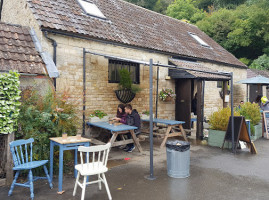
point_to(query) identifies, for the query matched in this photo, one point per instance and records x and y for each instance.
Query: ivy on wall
(9, 102)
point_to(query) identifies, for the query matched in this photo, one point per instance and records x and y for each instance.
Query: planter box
(216, 137)
(257, 133)
(143, 116)
(97, 119)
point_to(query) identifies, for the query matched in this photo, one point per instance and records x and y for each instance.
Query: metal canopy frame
(151, 64)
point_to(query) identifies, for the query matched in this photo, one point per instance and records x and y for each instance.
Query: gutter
(54, 44)
(74, 35)
(1, 7)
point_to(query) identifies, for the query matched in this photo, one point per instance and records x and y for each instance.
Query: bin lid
(178, 145)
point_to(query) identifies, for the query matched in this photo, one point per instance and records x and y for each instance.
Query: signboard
(266, 122)
(240, 133)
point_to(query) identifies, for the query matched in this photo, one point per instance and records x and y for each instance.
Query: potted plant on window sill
(98, 116)
(126, 92)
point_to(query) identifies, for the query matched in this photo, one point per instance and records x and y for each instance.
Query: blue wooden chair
(20, 150)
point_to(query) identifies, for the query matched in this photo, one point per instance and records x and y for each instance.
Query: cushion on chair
(30, 165)
(91, 168)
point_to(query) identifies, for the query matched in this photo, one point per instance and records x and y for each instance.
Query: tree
(243, 31)
(161, 6)
(148, 4)
(261, 63)
(185, 9)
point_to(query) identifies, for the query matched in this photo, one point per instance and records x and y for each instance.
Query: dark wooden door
(183, 101)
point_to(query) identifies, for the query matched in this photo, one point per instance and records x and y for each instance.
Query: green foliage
(145, 112)
(251, 111)
(161, 6)
(125, 79)
(219, 120)
(44, 117)
(243, 31)
(98, 113)
(126, 82)
(245, 61)
(261, 63)
(9, 102)
(185, 9)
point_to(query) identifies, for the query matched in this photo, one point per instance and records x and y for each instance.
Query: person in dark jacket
(132, 119)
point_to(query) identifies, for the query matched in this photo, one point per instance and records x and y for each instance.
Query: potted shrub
(218, 122)
(98, 116)
(126, 92)
(251, 111)
(167, 94)
(145, 115)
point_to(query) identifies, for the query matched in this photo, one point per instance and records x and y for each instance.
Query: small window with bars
(113, 71)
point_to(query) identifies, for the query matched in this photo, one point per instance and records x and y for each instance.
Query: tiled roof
(132, 25)
(196, 66)
(255, 72)
(17, 50)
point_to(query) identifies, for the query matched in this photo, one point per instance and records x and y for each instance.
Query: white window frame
(199, 40)
(91, 9)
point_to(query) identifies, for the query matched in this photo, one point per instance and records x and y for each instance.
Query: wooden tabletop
(69, 140)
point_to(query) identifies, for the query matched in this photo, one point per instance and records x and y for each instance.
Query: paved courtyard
(215, 174)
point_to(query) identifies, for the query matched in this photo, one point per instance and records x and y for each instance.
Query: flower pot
(125, 96)
(97, 119)
(144, 116)
(216, 137)
(257, 132)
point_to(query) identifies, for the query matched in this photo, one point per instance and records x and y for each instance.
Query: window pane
(114, 67)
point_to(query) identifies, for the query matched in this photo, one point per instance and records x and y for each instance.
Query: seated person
(121, 115)
(132, 119)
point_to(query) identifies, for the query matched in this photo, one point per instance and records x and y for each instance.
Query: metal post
(247, 94)
(232, 112)
(156, 112)
(84, 90)
(151, 176)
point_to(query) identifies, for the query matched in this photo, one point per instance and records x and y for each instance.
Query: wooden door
(183, 101)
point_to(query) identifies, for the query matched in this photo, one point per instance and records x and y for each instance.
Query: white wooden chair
(95, 164)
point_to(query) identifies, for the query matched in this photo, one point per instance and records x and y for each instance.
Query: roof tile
(132, 25)
(17, 50)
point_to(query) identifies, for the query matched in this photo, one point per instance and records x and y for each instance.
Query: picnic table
(70, 143)
(119, 130)
(174, 128)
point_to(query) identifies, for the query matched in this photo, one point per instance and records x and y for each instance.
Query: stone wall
(213, 101)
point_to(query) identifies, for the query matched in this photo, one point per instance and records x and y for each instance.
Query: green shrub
(219, 120)
(126, 82)
(44, 117)
(9, 102)
(251, 111)
(98, 113)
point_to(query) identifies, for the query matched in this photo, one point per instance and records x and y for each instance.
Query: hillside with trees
(240, 26)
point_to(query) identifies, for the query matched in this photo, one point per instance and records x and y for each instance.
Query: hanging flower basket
(167, 95)
(125, 96)
(168, 99)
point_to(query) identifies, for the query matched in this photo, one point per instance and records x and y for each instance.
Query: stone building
(118, 28)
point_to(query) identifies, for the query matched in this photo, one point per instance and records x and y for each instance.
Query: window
(91, 9)
(219, 84)
(198, 39)
(113, 70)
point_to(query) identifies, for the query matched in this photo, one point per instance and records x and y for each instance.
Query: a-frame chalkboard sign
(240, 133)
